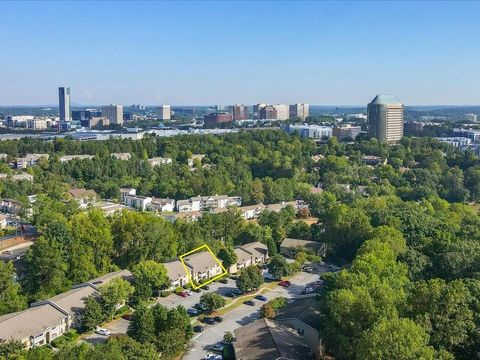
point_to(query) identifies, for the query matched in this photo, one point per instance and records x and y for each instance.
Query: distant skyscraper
(299, 111)
(385, 118)
(268, 112)
(163, 112)
(239, 112)
(114, 113)
(256, 110)
(282, 111)
(64, 104)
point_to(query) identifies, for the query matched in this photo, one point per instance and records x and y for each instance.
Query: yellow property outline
(188, 272)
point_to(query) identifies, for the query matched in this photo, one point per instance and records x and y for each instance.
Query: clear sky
(194, 53)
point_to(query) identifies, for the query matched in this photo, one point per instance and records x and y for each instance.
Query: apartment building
(68, 158)
(29, 160)
(203, 203)
(157, 161)
(249, 254)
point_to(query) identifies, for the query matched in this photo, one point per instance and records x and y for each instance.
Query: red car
(285, 283)
(183, 294)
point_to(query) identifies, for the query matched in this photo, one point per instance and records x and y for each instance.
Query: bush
(122, 310)
(67, 338)
(165, 293)
(178, 290)
(278, 303)
(187, 286)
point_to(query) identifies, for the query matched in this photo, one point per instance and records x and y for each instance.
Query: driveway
(119, 326)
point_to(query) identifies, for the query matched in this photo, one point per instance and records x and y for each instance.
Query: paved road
(240, 316)
(188, 302)
(245, 314)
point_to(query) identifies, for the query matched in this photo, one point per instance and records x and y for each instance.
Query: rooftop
(72, 301)
(201, 261)
(268, 340)
(382, 99)
(30, 322)
(175, 270)
(257, 248)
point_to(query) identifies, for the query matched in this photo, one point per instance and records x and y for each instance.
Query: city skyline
(327, 53)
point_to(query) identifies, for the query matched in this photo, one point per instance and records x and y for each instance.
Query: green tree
(149, 276)
(395, 339)
(278, 267)
(142, 326)
(11, 299)
(113, 293)
(250, 278)
(45, 270)
(212, 301)
(93, 314)
(228, 256)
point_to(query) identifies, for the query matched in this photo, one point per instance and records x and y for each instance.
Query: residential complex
(385, 118)
(310, 131)
(202, 203)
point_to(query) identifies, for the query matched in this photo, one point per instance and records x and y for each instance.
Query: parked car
(224, 280)
(308, 269)
(102, 331)
(7, 252)
(213, 357)
(285, 283)
(237, 291)
(307, 290)
(208, 320)
(322, 263)
(249, 302)
(261, 298)
(231, 294)
(198, 328)
(189, 292)
(218, 319)
(183, 294)
(200, 307)
(205, 287)
(216, 347)
(192, 312)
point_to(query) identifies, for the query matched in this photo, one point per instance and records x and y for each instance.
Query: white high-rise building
(114, 113)
(64, 104)
(299, 111)
(164, 112)
(385, 118)
(283, 111)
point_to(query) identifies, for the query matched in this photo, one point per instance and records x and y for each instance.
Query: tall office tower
(282, 111)
(385, 118)
(268, 113)
(64, 104)
(256, 110)
(114, 113)
(239, 112)
(299, 111)
(163, 112)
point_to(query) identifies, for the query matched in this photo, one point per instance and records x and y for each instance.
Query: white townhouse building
(157, 161)
(202, 203)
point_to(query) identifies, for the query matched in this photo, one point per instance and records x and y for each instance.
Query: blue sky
(187, 53)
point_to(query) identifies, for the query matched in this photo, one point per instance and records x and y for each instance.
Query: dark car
(261, 298)
(206, 287)
(237, 291)
(218, 318)
(200, 307)
(198, 328)
(208, 320)
(249, 302)
(223, 281)
(231, 294)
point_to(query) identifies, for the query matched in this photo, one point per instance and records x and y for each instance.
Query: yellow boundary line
(188, 272)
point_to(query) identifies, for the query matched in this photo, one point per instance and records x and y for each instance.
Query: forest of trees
(408, 231)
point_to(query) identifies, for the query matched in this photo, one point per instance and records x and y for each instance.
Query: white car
(213, 357)
(102, 331)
